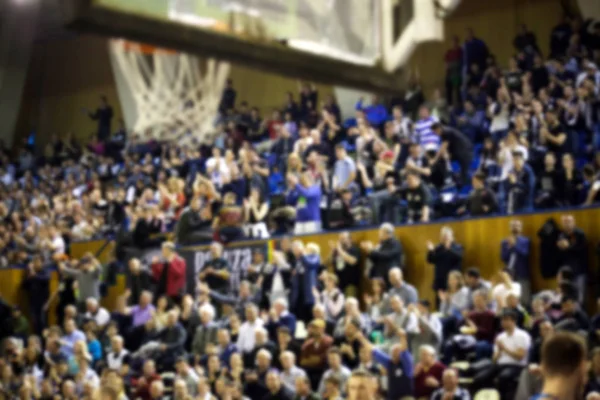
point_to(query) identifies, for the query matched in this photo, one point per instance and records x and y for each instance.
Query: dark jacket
(137, 284)
(459, 145)
(173, 338)
(575, 256)
(516, 258)
(549, 257)
(189, 221)
(283, 394)
(445, 260)
(388, 255)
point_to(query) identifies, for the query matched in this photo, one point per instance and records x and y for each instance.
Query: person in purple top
(308, 214)
(142, 312)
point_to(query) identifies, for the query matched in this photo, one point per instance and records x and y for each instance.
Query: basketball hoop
(175, 95)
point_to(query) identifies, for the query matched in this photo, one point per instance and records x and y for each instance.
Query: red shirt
(486, 324)
(436, 371)
(176, 275)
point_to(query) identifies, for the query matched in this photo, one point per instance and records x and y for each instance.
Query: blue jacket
(311, 264)
(400, 376)
(519, 254)
(312, 209)
(376, 114)
(288, 320)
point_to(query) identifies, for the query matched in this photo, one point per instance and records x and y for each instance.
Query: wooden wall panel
(496, 22)
(480, 237)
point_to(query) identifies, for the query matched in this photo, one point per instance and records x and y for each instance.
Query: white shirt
(518, 340)
(101, 317)
(114, 360)
(58, 245)
(247, 335)
(219, 171)
(501, 291)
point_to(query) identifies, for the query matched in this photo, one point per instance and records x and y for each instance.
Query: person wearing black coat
(458, 146)
(189, 228)
(386, 255)
(277, 391)
(549, 260)
(138, 280)
(446, 257)
(572, 251)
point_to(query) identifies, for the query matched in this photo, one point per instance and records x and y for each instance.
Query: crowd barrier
(481, 239)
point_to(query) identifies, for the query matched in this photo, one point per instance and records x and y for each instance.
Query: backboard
(342, 42)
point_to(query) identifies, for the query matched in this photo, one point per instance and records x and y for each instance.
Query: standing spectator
(169, 273)
(103, 115)
(138, 281)
(459, 147)
(386, 255)
(375, 113)
(87, 276)
(572, 251)
(227, 98)
(520, 185)
(514, 252)
(37, 285)
(344, 170)
(216, 272)
(336, 369)
(475, 50)
(446, 257)
(345, 257)
(454, 60)
(308, 215)
(304, 279)
(424, 134)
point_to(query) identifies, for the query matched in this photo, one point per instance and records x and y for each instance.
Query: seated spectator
(475, 282)
(256, 385)
(351, 311)
(398, 318)
(206, 331)
(96, 313)
(349, 345)
(336, 369)
(450, 387)
(429, 328)
(510, 356)
(314, 351)
(303, 389)
(504, 286)
(118, 356)
(399, 287)
(227, 226)
(255, 213)
(261, 341)
(572, 317)
(428, 372)
(455, 299)
(398, 366)
(277, 390)
(289, 371)
(247, 335)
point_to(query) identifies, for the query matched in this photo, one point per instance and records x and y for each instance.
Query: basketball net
(176, 95)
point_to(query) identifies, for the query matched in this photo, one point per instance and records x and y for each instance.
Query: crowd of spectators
(299, 326)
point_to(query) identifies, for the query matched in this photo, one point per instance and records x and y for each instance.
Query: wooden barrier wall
(480, 237)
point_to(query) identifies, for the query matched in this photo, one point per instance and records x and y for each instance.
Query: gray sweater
(88, 282)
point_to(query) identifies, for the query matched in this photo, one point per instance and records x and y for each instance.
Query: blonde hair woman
(456, 299)
(331, 297)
